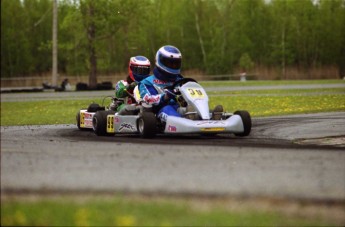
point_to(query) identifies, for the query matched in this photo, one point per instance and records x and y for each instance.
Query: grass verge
(223, 83)
(258, 104)
(133, 211)
(263, 105)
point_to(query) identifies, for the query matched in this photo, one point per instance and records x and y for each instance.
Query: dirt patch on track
(328, 141)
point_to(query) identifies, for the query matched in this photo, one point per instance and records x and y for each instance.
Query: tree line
(214, 36)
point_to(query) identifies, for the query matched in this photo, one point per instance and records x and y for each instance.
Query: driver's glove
(132, 85)
(169, 94)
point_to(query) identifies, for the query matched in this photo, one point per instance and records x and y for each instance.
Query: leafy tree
(98, 37)
(39, 33)
(246, 62)
(331, 32)
(15, 47)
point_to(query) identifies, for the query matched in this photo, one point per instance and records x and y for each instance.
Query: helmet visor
(172, 63)
(140, 70)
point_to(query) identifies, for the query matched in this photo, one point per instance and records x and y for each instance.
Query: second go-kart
(140, 118)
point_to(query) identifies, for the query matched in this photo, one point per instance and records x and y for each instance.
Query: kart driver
(138, 69)
(167, 71)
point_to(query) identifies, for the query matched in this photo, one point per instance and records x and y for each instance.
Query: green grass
(258, 103)
(281, 105)
(267, 82)
(279, 91)
(121, 211)
(41, 112)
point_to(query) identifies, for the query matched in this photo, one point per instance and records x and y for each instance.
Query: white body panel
(196, 96)
(125, 123)
(176, 125)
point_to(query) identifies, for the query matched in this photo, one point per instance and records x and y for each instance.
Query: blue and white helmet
(169, 59)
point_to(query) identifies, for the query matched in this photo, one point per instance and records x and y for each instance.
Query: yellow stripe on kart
(213, 129)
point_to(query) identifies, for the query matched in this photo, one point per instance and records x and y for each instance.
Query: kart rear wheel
(99, 122)
(247, 122)
(147, 125)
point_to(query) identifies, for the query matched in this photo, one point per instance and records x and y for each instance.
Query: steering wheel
(180, 82)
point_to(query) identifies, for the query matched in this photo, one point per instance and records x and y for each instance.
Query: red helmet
(139, 68)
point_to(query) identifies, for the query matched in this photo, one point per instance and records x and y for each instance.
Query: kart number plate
(110, 124)
(86, 120)
(82, 120)
(195, 93)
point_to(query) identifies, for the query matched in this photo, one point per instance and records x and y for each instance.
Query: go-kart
(141, 119)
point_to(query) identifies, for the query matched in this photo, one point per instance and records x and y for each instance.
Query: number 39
(195, 93)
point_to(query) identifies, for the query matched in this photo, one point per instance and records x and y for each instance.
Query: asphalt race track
(298, 156)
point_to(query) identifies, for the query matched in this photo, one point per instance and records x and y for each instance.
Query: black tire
(247, 122)
(147, 125)
(82, 87)
(99, 122)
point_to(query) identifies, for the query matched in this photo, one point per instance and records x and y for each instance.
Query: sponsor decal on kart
(126, 127)
(88, 115)
(117, 120)
(88, 124)
(171, 128)
(86, 119)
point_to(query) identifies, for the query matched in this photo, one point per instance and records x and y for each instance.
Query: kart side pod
(238, 124)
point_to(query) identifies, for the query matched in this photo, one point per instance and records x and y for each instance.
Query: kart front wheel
(247, 122)
(99, 122)
(147, 125)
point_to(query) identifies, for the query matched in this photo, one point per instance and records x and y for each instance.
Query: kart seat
(129, 110)
(94, 107)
